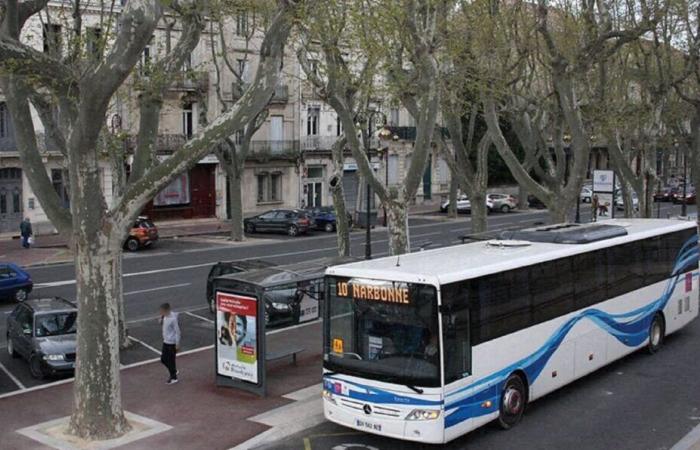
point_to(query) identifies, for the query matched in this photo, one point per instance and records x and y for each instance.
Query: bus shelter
(248, 303)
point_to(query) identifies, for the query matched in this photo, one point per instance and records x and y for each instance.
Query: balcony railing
(164, 142)
(190, 81)
(273, 147)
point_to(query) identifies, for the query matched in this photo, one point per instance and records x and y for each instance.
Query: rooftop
(449, 264)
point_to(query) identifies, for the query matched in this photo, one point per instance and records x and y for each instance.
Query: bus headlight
(329, 396)
(423, 414)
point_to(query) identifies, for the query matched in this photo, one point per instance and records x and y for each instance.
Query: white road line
(12, 377)
(301, 325)
(156, 289)
(197, 316)
(153, 349)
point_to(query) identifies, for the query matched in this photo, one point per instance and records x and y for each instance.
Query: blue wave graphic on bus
(630, 328)
(372, 394)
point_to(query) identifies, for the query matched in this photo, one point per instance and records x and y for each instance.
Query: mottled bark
(397, 226)
(335, 183)
(452, 207)
(479, 212)
(234, 171)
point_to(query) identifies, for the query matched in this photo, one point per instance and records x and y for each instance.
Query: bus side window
(455, 333)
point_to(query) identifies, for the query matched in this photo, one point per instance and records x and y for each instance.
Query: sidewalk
(53, 248)
(201, 415)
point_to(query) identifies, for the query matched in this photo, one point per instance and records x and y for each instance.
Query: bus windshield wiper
(414, 389)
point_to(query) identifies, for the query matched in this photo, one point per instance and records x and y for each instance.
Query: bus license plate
(368, 425)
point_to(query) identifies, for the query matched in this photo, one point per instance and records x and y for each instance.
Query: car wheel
(329, 227)
(132, 244)
(513, 400)
(656, 334)
(505, 209)
(249, 228)
(11, 348)
(35, 367)
(292, 230)
(21, 295)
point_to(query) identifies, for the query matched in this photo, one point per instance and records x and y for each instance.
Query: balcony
(318, 143)
(273, 148)
(281, 94)
(190, 82)
(164, 142)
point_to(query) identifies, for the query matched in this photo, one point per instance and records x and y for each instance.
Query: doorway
(10, 199)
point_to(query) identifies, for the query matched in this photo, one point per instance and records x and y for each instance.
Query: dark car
(325, 218)
(289, 221)
(534, 202)
(688, 199)
(665, 194)
(227, 267)
(144, 233)
(43, 332)
(15, 283)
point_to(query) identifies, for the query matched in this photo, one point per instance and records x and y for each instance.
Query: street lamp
(684, 204)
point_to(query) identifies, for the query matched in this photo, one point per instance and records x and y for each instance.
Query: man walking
(25, 230)
(171, 341)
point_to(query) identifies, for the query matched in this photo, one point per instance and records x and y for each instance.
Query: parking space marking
(12, 377)
(172, 286)
(153, 349)
(197, 316)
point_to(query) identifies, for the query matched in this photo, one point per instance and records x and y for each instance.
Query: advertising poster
(237, 349)
(603, 194)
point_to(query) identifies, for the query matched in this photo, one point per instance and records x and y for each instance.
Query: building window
(3, 120)
(312, 121)
(394, 117)
(242, 23)
(269, 187)
(338, 126)
(94, 43)
(187, 63)
(176, 193)
(187, 120)
(52, 39)
(146, 60)
(238, 137)
(59, 179)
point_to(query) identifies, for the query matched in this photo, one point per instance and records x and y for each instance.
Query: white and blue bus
(431, 345)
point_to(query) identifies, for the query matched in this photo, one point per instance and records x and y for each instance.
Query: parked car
(227, 267)
(463, 204)
(665, 194)
(689, 197)
(501, 202)
(144, 233)
(586, 195)
(325, 219)
(534, 202)
(43, 332)
(620, 201)
(15, 283)
(290, 221)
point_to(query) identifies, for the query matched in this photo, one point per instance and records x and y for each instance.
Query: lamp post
(684, 204)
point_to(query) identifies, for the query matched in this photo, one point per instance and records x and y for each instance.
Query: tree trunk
(522, 197)
(341, 223)
(559, 214)
(452, 207)
(479, 212)
(124, 341)
(235, 194)
(397, 227)
(97, 410)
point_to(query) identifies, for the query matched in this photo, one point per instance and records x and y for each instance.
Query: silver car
(43, 331)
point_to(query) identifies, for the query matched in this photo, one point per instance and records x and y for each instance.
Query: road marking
(153, 349)
(197, 316)
(690, 441)
(12, 377)
(156, 289)
(301, 325)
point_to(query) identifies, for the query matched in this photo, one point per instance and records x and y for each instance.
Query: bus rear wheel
(513, 400)
(656, 334)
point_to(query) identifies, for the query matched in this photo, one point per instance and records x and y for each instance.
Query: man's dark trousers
(167, 357)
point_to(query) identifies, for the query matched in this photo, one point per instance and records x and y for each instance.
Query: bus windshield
(387, 331)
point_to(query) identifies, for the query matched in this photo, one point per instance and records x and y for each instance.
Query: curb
(690, 441)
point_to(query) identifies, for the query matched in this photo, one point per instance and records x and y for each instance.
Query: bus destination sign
(385, 292)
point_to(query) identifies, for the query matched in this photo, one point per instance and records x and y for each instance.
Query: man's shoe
(171, 381)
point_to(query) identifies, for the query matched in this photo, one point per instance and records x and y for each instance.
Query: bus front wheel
(656, 334)
(513, 400)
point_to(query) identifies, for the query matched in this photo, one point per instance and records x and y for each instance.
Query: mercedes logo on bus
(367, 409)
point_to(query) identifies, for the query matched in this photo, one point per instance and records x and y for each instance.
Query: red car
(689, 197)
(144, 233)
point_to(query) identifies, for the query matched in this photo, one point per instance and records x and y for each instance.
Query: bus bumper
(427, 431)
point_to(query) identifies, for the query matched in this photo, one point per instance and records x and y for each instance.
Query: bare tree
(81, 90)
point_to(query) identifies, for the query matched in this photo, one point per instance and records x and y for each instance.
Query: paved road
(642, 402)
(175, 271)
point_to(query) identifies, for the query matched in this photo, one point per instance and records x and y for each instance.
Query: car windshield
(55, 324)
(383, 330)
